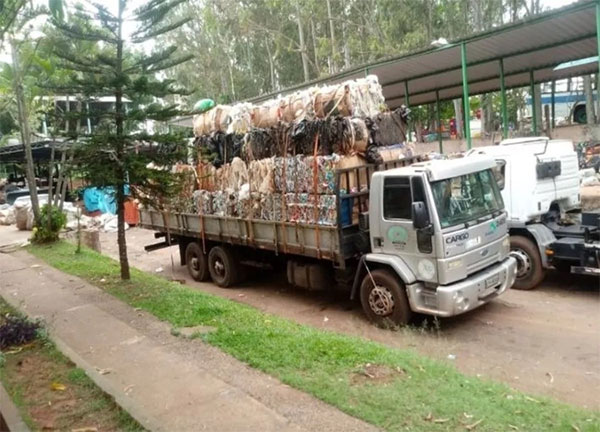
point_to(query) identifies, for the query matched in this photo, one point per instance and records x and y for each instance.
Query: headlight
(457, 263)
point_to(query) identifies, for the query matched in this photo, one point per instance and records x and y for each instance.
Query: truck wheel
(385, 303)
(197, 262)
(580, 115)
(223, 266)
(529, 263)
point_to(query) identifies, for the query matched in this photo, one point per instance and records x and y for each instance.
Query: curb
(120, 398)
(10, 418)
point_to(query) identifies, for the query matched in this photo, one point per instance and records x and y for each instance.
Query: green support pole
(598, 30)
(366, 72)
(503, 100)
(465, 83)
(407, 103)
(553, 101)
(533, 103)
(439, 120)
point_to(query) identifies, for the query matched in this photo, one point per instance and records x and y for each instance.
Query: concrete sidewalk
(165, 382)
(11, 238)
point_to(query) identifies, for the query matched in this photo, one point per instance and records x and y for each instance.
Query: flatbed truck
(425, 237)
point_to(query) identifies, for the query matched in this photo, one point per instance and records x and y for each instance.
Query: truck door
(399, 237)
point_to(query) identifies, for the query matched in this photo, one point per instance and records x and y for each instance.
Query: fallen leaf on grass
(56, 386)
(85, 429)
(575, 428)
(513, 427)
(468, 415)
(530, 399)
(474, 425)
(442, 420)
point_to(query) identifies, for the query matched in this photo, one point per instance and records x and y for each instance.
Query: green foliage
(121, 149)
(245, 48)
(329, 365)
(52, 220)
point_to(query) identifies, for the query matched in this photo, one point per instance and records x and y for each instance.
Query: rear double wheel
(383, 298)
(224, 266)
(197, 262)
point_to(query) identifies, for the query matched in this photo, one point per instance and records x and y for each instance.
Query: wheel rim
(219, 268)
(195, 263)
(523, 262)
(381, 301)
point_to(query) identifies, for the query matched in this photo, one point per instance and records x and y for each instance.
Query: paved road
(165, 382)
(545, 341)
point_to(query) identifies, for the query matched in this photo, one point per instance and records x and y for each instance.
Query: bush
(52, 220)
(17, 331)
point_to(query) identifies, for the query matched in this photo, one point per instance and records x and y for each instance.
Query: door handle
(377, 241)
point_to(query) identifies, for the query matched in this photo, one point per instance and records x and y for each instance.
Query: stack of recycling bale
(276, 161)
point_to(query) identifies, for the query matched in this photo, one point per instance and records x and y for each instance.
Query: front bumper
(463, 296)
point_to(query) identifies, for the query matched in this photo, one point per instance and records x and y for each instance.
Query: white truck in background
(539, 180)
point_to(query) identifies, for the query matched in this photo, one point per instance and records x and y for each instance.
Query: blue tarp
(101, 199)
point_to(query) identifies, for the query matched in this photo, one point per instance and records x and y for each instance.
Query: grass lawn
(393, 389)
(51, 393)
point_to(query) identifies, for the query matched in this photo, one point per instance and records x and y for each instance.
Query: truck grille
(478, 265)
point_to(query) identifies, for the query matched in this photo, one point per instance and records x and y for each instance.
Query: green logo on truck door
(397, 235)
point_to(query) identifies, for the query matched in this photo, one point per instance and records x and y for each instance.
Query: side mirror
(420, 217)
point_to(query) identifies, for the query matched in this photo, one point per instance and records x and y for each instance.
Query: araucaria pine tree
(122, 150)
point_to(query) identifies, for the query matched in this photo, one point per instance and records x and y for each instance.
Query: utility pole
(25, 132)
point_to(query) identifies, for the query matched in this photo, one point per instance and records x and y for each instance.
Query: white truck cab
(539, 181)
(441, 226)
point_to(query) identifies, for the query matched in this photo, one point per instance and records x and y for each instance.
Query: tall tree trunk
(332, 37)
(231, 80)
(274, 86)
(539, 113)
(589, 100)
(313, 34)
(25, 133)
(303, 51)
(347, 62)
(430, 20)
(123, 260)
(458, 117)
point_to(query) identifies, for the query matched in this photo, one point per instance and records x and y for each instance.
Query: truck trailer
(419, 237)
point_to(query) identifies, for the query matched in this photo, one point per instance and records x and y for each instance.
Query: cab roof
(441, 169)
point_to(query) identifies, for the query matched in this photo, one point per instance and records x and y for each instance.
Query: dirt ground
(545, 342)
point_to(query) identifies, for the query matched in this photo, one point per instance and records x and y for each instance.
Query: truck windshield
(466, 198)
